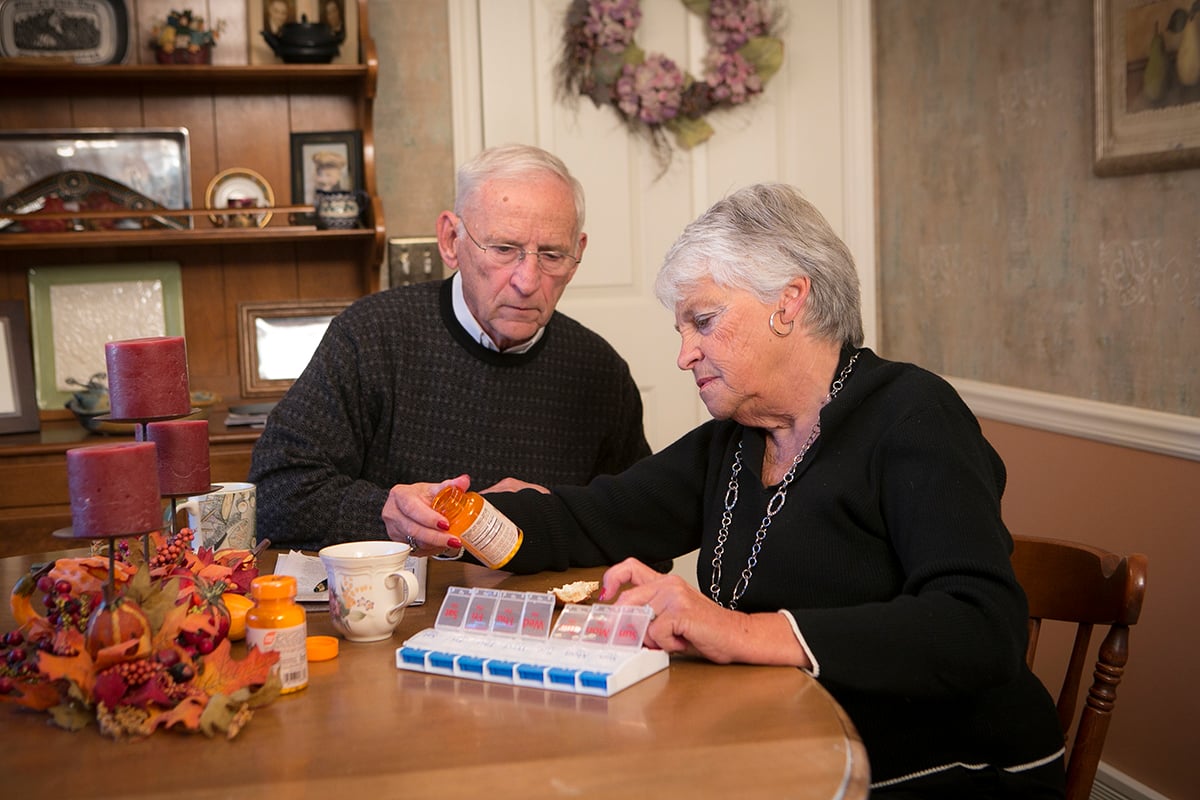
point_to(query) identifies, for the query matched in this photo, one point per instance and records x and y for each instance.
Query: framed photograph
(88, 32)
(329, 160)
(276, 341)
(267, 15)
(77, 309)
(154, 162)
(1147, 67)
(18, 399)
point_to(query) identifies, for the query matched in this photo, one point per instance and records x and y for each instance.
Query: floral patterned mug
(223, 518)
(369, 587)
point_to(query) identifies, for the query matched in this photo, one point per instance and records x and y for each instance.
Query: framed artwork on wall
(276, 341)
(18, 398)
(87, 32)
(154, 162)
(1147, 67)
(77, 309)
(330, 161)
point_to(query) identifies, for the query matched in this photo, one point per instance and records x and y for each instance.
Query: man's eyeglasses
(501, 256)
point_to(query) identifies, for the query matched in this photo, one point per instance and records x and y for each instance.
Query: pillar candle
(114, 489)
(148, 378)
(183, 466)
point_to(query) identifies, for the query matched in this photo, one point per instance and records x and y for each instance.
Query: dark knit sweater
(398, 392)
(889, 552)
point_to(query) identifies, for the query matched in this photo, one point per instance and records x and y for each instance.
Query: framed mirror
(277, 339)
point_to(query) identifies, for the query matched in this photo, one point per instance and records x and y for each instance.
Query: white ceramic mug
(368, 587)
(223, 518)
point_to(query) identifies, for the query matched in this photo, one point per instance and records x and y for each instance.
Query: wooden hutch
(236, 117)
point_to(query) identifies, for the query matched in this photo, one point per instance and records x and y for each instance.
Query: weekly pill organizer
(506, 637)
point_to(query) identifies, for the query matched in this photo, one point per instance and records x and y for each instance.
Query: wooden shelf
(186, 238)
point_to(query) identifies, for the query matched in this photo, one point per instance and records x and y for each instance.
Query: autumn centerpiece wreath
(650, 93)
(136, 645)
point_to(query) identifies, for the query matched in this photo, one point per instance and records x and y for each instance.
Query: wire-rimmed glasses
(502, 256)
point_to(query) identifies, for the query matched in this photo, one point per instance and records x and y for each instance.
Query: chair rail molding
(1141, 429)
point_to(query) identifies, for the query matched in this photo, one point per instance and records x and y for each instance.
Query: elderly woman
(846, 509)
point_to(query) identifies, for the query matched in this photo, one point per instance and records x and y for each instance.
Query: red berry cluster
(171, 552)
(64, 610)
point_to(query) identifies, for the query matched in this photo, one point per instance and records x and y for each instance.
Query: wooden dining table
(365, 729)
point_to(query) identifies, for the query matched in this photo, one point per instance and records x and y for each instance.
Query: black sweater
(889, 552)
(398, 392)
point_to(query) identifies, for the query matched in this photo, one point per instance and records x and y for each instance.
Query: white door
(811, 128)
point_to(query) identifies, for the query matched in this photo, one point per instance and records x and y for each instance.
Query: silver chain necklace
(773, 506)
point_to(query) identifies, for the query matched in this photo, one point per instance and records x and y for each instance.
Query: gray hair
(514, 161)
(759, 239)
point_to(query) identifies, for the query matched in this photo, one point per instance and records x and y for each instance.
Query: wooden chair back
(1088, 586)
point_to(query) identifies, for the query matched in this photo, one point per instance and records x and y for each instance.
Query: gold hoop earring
(776, 331)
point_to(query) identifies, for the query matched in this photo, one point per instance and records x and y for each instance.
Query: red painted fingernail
(603, 594)
(443, 525)
(453, 542)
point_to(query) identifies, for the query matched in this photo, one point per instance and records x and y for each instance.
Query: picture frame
(324, 159)
(1144, 124)
(18, 397)
(98, 32)
(276, 340)
(75, 310)
(155, 162)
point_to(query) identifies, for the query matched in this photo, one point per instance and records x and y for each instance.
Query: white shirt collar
(472, 326)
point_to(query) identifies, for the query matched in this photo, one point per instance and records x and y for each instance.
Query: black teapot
(305, 42)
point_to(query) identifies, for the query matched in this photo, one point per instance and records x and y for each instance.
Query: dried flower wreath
(652, 95)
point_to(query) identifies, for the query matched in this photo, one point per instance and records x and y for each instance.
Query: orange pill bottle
(486, 533)
(278, 623)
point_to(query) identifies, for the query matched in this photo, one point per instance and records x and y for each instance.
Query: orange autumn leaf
(39, 696)
(215, 573)
(186, 713)
(78, 669)
(222, 674)
(90, 575)
(172, 624)
(234, 558)
(128, 650)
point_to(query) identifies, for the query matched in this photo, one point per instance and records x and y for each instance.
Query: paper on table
(309, 573)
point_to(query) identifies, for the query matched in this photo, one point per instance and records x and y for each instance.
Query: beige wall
(414, 150)
(1003, 257)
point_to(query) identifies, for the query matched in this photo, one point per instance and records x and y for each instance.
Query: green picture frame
(76, 309)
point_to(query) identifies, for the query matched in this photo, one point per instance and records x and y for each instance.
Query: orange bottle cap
(321, 648)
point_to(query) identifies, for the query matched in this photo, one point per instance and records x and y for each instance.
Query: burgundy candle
(183, 466)
(148, 378)
(114, 489)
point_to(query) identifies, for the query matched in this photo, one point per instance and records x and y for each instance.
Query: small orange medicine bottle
(489, 535)
(277, 622)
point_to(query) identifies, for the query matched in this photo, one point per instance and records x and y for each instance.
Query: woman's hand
(514, 485)
(409, 517)
(685, 621)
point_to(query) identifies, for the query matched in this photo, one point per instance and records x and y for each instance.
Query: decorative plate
(88, 32)
(77, 190)
(234, 186)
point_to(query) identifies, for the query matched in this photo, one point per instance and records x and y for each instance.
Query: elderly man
(477, 374)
